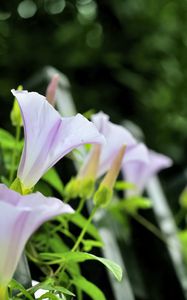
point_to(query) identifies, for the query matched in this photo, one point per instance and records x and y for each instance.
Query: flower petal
(48, 136)
(20, 216)
(116, 136)
(139, 172)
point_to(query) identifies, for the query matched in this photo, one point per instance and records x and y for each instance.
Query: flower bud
(15, 114)
(90, 169)
(72, 188)
(104, 194)
(51, 89)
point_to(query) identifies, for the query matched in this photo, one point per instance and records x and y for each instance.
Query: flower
(116, 137)
(139, 172)
(20, 216)
(48, 136)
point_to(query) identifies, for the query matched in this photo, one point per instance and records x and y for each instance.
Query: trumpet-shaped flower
(48, 136)
(116, 136)
(139, 172)
(20, 216)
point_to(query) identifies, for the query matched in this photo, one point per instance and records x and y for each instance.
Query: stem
(14, 155)
(149, 226)
(81, 205)
(84, 229)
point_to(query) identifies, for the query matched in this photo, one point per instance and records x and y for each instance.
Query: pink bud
(51, 89)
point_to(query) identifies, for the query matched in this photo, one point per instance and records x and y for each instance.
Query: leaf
(43, 188)
(49, 295)
(81, 221)
(183, 198)
(124, 185)
(55, 258)
(17, 286)
(55, 289)
(56, 244)
(89, 288)
(183, 239)
(54, 180)
(131, 205)
(7, 141)
(89, 244)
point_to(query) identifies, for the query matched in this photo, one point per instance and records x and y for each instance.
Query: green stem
(79, 240)
(81, 205)
(149, 226)
(14, 155)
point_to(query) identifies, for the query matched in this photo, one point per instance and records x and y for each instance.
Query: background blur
(126, 57)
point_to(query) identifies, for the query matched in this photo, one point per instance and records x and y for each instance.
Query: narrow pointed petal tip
(48, 136)
(20, 216)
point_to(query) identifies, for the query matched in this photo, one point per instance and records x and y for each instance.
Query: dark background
(126, 57)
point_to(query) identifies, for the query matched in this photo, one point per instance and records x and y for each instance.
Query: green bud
(72, 188)
(102, 196)
(18, 187)
(15, 114)
(86, 188)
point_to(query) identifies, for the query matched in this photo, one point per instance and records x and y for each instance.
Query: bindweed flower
(20, 216)
(139, 172)
(116, 136)
(51, 89)
(48, 136)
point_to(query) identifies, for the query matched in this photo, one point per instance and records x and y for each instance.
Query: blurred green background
(126, 57)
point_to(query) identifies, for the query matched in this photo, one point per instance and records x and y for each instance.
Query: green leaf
(80, 221)
(183, 239)
(17, 286)
(89, 288)
(7, 141)
(50, 296)
(124, 185)
(89, 244)
(183, 198)
(54, 180)
(43, 188)
(56, 244)
(133, 204)
(55, 289)
(55, 258)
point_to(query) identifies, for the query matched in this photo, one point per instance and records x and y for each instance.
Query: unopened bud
(15, 114)
(86, 188)
(51, 89)
(90, 169)
(72, 188)
(104, 194)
